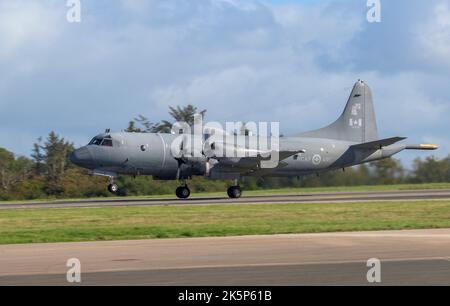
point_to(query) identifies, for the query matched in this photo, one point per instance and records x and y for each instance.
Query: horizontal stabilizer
(378, 144)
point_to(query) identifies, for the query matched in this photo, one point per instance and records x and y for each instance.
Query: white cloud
(242, 60)
(27, 29)
(323, 28)
(434, 35)
(25, 24)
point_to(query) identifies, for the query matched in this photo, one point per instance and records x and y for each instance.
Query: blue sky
(243, 60)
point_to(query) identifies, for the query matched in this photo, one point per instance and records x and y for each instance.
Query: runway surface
(340, 197)
(414, 257)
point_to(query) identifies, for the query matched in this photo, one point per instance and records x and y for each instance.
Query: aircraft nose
(82, 157)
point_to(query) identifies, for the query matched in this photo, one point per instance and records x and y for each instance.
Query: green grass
(115, 223)
(273, 191)
(352, 188)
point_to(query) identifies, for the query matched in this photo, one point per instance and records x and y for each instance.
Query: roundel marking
(317, 159)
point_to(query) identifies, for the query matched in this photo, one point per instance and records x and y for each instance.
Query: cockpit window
(96, 141)
(102, 141)
(107, 142)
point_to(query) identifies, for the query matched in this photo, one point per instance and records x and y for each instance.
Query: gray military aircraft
(351, 140)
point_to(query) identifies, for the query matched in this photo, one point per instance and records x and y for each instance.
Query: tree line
(48, 173)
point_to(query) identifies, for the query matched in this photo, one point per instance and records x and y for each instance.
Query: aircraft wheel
(113, 188)
(183, 192)
(234, 192)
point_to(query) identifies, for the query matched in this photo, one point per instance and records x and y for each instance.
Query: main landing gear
(234, 192)
(183, 192)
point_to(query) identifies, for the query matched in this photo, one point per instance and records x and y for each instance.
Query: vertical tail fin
(357, 123)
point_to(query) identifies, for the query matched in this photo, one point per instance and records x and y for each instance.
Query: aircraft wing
(378, 144)
(253, 159)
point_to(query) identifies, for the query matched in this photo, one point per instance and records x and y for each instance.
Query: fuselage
(150, 154)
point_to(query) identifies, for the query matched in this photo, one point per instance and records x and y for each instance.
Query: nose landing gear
(113, 187)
